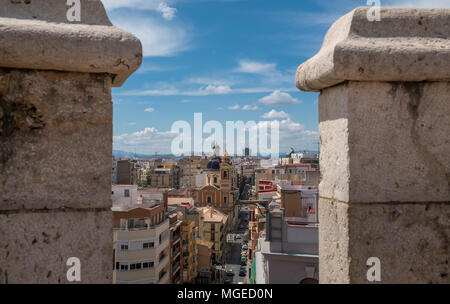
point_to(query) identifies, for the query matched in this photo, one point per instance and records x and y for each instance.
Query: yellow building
(189, 251)
(218, 190)
(215, 226)
(164, 176)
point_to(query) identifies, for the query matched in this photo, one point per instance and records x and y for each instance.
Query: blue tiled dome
(213, 164)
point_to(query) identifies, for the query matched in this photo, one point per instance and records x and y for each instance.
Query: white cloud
(149, 140)
(131, 123)
(244, 107)
(278, 98)
(150, 110)
(275, 114)
(162, 7)
(157, 37)
(203, 91)
(167, 12)
(293, 134)
(420, 3)
(235, 107)
(254, 67)
(250, 108)
(216, 90)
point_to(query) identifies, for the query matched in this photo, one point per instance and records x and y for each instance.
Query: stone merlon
(38, 35)
(406, 45)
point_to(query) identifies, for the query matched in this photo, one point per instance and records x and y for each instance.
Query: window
(215, 180)
(126, 192)
(147, 265)
(124, 247)
(209, 200)
(225, 174)
(147, 245)
(225, 199)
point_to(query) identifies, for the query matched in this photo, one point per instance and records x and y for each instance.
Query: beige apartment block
(141, 242)
(384, 116)
(189, 234)
(215, 227)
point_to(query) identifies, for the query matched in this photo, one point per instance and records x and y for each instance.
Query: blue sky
(228, 59)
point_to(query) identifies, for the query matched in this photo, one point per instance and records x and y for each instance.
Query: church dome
(213, 164)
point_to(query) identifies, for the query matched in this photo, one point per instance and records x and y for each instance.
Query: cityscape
(216, 219)
(224, 149)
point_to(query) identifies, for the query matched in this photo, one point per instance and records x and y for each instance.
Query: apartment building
(205, 267)
(190, 168)
(164, 176)
(215, 228)
(298, 174)
(141, 237)
(125, 174)
(288, 251)
(189, 236)
(114, 171)
(176, 257)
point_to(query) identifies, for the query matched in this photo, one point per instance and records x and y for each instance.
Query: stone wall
(56, 139)
(385, 135)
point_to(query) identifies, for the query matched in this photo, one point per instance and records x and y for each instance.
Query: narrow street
(234, 257)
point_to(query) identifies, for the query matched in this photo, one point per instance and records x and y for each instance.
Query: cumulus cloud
(293, 134)
(167, 12)
(275, 114)
(278, 98)
(149, 140)
(150, 110)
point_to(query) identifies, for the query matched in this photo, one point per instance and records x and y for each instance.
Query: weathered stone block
(38, 245)
(385, 142)
(410, 239)
(55, 140)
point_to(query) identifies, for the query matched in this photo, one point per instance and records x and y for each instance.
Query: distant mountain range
(124, 154)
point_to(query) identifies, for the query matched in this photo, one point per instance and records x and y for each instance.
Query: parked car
(242, 272)
(238, 236)
(230, 272)
(245, 247)
(243, 263)
(227, 282)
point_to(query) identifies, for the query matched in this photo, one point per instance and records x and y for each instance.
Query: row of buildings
(159, 239)
(172, 217)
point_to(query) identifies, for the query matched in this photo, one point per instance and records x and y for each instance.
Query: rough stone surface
(55, 140)
(410, 239)
(38, 35)
(34, 247)
(385, 142)
(406, 45)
